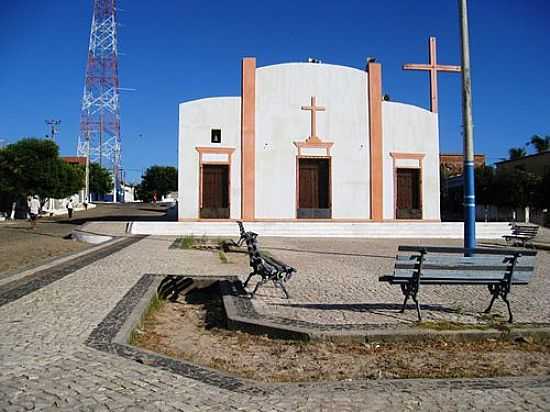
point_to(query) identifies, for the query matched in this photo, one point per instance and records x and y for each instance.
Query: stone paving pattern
(342, 286)
(46, 365)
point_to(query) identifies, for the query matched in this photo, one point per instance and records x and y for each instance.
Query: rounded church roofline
(205, 99)
(408, 105)
(324, 65)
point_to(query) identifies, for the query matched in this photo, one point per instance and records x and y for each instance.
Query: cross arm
(412, 66)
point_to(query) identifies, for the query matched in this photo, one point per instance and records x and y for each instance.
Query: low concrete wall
(447, 230)
(84, 234)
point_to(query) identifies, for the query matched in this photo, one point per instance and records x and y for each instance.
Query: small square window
(216, 136)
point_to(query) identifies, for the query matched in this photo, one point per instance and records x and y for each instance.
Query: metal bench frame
(497, 287)
(267, 267)
(521, 233)
(172, 285)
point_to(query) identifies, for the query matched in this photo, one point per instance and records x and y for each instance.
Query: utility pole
(469, 179)
(87, 190)
(54, 127)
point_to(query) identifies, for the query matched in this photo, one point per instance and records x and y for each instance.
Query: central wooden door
(215, 192)
(408, 202)
(314, 188)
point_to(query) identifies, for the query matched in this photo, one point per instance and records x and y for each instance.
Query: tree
(159, 179)
(33, 166)
(517, 153)
(542, 192)
(485, 177)
(542, 144)
(515, 188)
(101, 181)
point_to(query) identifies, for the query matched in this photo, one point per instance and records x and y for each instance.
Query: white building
(307, 140)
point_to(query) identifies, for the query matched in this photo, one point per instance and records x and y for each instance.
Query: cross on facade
(433, 68)
(314, 109)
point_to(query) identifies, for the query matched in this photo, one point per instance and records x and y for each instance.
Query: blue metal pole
(469, 184)
(469, 206)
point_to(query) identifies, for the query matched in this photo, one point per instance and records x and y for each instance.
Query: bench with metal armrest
(498, 269)
(521, 234)
(266, 267)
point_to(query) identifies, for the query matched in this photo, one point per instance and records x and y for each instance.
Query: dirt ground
(21, 247)
(192, 329)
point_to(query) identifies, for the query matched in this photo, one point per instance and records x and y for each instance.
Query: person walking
(34, 210)
(70, 207)
(29, 198)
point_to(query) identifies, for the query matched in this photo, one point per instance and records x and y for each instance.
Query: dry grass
(193, 329)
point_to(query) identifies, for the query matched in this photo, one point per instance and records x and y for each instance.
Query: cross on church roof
(314, 109)
(433, 67)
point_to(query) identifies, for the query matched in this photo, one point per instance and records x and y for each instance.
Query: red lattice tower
(99, 138)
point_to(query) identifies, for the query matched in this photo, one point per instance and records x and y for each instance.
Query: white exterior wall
(281, 91)
(196, 119)
(410, 129)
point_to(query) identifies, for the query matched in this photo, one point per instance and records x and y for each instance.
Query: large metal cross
(433, 68)
(314, 109)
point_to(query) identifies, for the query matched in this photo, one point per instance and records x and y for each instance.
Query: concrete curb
(116, 328)
(241, 315)
(88, 237)
(136, 316)
(541, 246)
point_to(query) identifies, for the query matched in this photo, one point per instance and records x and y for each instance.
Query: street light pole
(469, 180)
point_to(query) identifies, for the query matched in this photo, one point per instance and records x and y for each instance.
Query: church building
(308, 141)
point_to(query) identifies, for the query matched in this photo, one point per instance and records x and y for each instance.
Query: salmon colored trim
(375, 131)
(248, 138)
(314, 145)
(215, 150)
(401, 155)
(415, 156)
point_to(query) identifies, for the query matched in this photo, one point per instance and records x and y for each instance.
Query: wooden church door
(215, 191)
(309, 185)
(408, 203)
(314, 188)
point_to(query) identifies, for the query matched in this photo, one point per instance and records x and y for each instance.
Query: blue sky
(172, 51)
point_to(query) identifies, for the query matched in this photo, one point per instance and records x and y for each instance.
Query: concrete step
(447, 230)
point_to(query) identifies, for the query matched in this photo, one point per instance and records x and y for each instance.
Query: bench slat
(465, 268)
(458, 250)
(428, 281)
(460, 275)
(460, 261)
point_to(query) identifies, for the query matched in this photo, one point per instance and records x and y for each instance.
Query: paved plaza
(46, 316)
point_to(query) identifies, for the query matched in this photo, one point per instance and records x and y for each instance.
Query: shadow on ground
(364, 307)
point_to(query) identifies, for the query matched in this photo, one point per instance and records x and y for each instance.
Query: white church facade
(308, 141)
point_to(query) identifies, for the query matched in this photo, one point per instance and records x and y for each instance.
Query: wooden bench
(267, 267)
(498, 269)
(521, 234)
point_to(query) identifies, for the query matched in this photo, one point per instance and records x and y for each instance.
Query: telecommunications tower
(99, 139)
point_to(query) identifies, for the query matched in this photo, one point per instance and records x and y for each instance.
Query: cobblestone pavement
(337, 282)
(46, 366)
